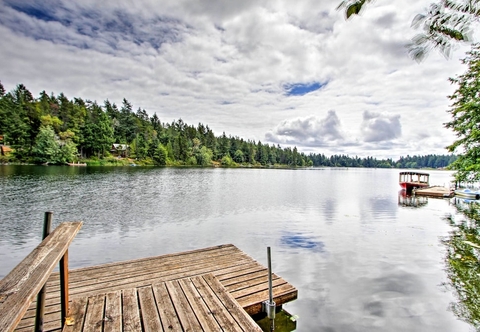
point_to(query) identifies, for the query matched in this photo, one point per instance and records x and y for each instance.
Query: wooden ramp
(243, 278)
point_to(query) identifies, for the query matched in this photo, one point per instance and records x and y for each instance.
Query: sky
(293, 73)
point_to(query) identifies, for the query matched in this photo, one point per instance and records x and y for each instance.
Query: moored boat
(468, 193)
(411, 180)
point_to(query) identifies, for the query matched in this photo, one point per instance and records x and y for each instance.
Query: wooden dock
(434, 191)
(215, 288)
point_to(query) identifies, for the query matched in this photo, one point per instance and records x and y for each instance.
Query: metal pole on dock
(269, 306)
(47, 222)
(270, 291)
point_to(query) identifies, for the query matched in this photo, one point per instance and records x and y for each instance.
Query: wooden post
(47, 222)
(64, 286)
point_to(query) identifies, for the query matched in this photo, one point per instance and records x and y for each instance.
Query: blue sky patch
(87, 28)
(301, 89)
(33, 10)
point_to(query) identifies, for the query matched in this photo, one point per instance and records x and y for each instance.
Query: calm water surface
(360, 258)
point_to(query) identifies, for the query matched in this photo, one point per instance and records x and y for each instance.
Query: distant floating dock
(211, 289)
(434, 191)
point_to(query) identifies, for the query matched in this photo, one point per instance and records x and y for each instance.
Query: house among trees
(4, 149)
(120, 150)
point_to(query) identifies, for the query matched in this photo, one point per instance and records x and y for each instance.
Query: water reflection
(302, 241)
(462, 261)
(411, 200)
(360, 260)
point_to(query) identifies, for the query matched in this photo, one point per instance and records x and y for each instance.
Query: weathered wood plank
(185, 314)
(242, 318)
(204, 315)
(146, 279)
(53, 298)
(119, 273)
(130, 266)
(131, 315)
(166, 309)
(243, 277)
(113, 312)
(77, 308)
(78, 277)
(94, 314)
(256, 288)
(252, 304)
(21, 285)
(231, 275)
(150, 319)
(226, 322)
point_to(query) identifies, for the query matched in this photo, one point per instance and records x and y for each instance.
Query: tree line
(56, 129)
(427, 161)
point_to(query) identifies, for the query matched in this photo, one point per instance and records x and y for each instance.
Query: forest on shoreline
(58, 130)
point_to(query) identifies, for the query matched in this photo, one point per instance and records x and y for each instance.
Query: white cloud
(379, 128)
(312, 132)
(225, 63)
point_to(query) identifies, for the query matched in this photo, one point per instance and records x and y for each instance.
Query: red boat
(411, 180)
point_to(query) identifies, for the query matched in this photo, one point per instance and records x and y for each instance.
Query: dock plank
(199, 303)
(166, 309)
(113, 312)
(203, 313)
(150, 318)
(233, 308)
(94, 315)
(77, 315)
(131, 314)
(226, 322)
(187, 318)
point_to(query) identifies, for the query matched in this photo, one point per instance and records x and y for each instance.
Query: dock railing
(27, 280)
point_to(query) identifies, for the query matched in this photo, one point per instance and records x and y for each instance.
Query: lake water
(361, 258)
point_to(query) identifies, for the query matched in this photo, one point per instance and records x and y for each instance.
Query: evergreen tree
(465, 112)
(160, 156)
(46, 148)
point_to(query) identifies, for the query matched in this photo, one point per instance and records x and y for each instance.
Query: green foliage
(427, 161)
(160, 156)
(50, 149)
(238, 156)
(46, 148)
(444, 23)
(82, 127)
(191, 161)
(352, 7)
(465, 121)
(228, 161)
(68, 152)
(203, 156)
(462, 266)
(97, 132)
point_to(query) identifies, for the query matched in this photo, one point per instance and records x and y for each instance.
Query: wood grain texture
(20, 287)
(194, 304)
(242, 277)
